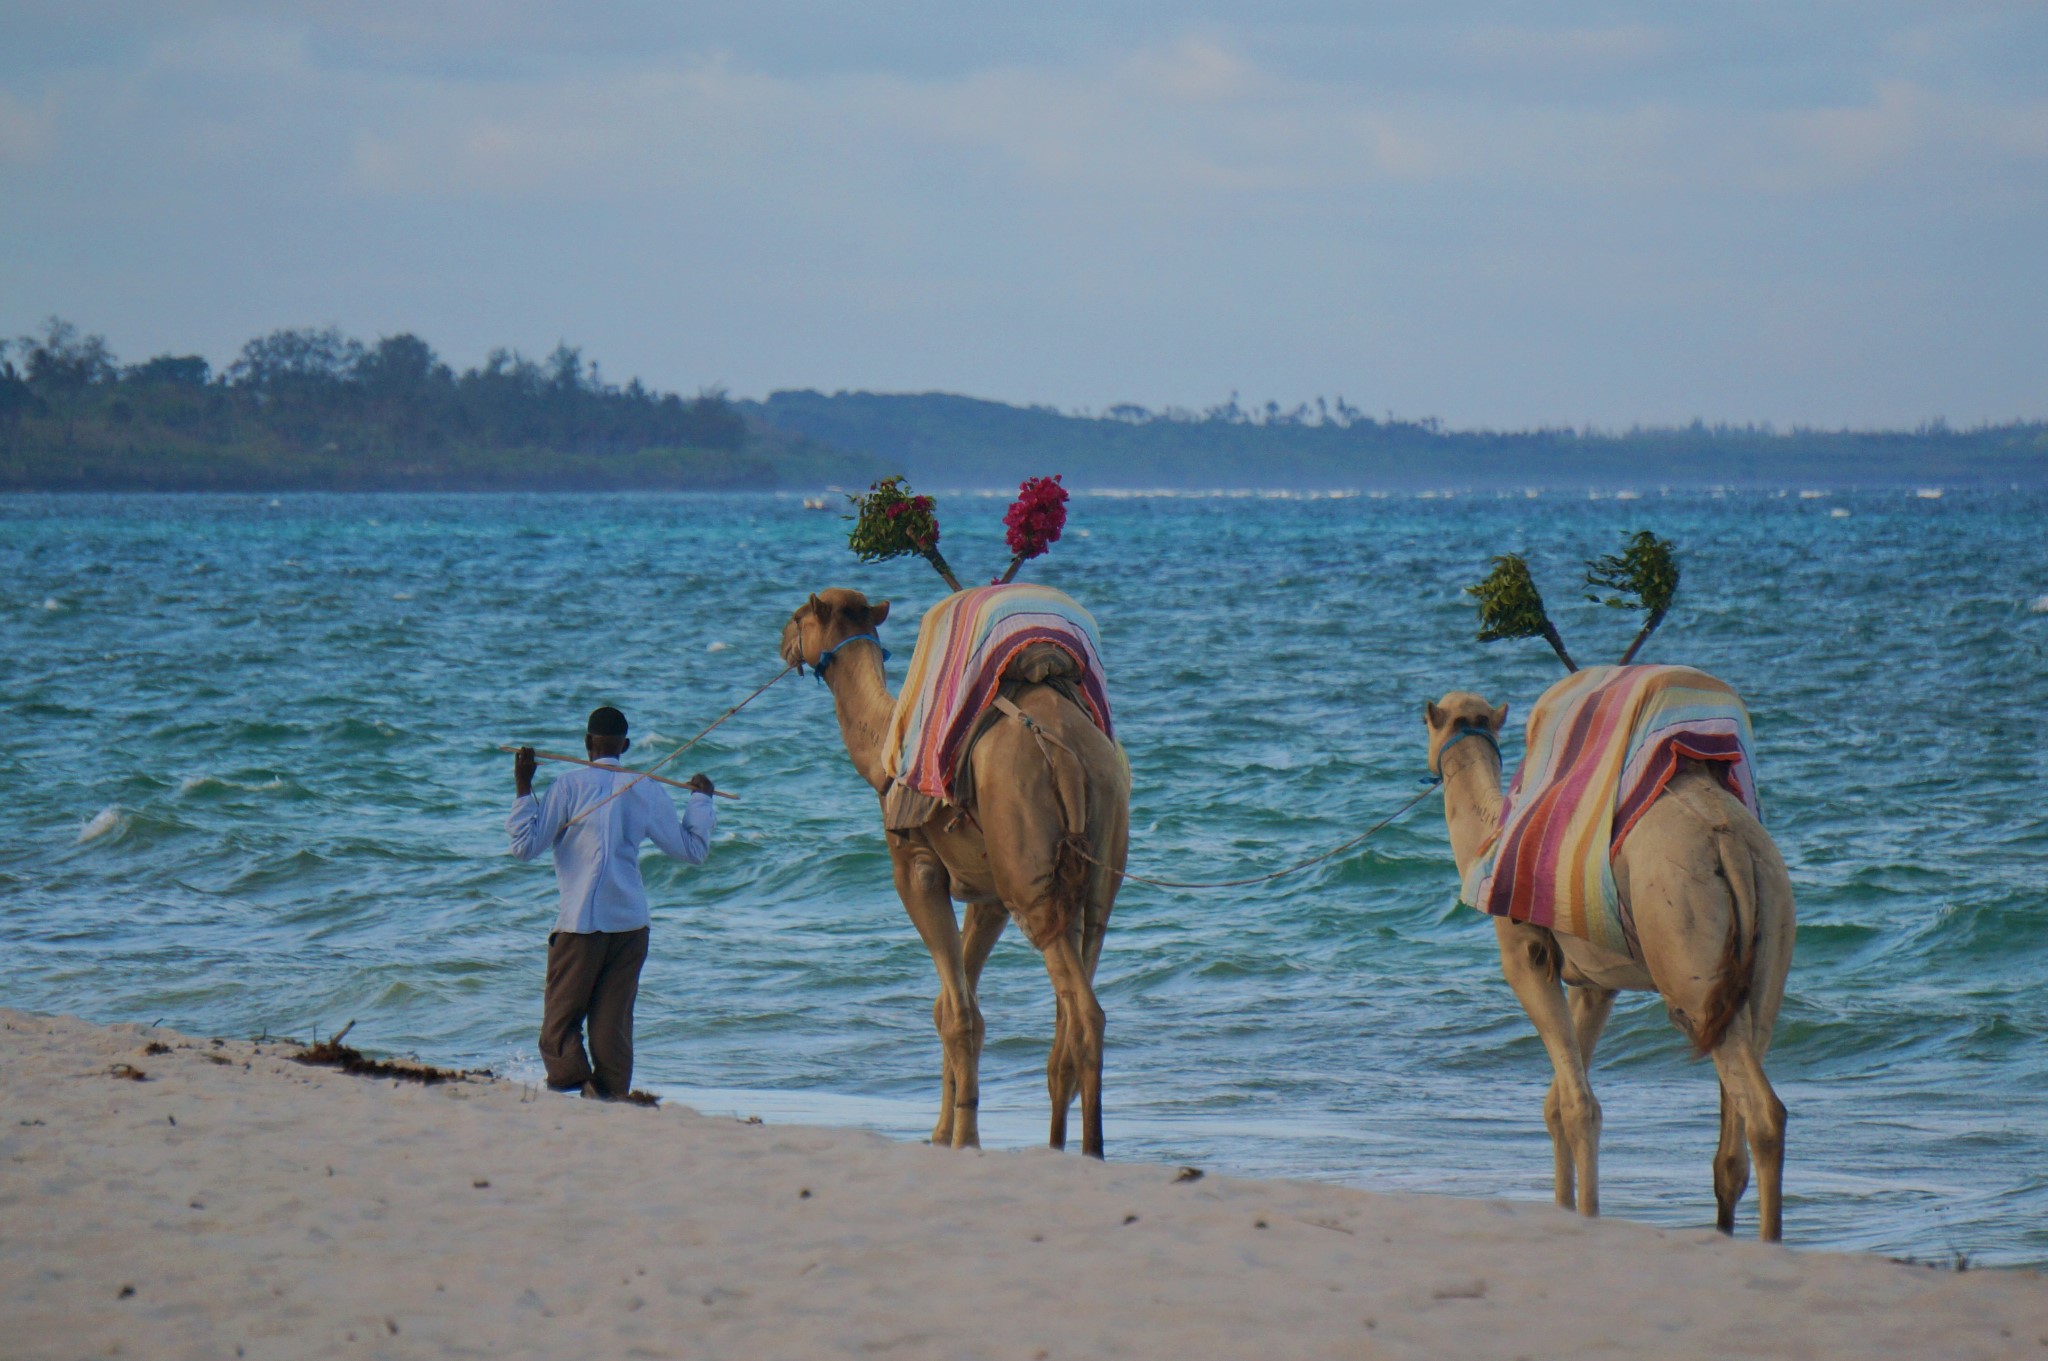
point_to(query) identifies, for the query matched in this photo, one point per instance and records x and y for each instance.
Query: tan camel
(1001, 858)
(1713, 911)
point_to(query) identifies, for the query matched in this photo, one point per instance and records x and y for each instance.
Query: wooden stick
(706, 731)
(1649, 627)
(623, 770)
(938, 560)
(1557, 646)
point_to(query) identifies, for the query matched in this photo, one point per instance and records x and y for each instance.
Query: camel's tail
(1739, 955)
(1070, 876)
(1071, 870)
(1072, 863)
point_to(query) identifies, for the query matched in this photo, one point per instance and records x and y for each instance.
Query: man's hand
(523, 766)
(701, 783)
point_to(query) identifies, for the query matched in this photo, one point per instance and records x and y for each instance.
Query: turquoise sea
(249, 757)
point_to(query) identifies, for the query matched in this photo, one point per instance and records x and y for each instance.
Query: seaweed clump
(332, 1053)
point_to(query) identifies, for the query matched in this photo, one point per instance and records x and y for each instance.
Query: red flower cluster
(915, 506)
(1035, 519)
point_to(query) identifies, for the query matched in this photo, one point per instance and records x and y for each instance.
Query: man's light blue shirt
(597, 860)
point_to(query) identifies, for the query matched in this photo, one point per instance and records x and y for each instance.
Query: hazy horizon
(1507, 217)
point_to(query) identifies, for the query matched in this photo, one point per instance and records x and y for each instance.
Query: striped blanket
(963, 646)
(1601, 745)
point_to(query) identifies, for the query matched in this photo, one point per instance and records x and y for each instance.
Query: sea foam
(108, 819)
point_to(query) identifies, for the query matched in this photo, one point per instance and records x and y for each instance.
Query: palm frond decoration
(1510, 606)
(1643, 576)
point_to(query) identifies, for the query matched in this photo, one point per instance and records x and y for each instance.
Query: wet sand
(233, 1202)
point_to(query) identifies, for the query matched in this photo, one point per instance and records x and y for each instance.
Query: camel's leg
(1528, 960)
(984, 923)
(1061, 1081)
(1762, 1116)
(1731, 1162)
(1062, 1074)
(922, 884)
(1590, 1007)
(942, 1132)
(1082, 1022)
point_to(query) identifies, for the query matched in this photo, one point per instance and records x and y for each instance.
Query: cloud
(1568, 50)
(1196, 70)
(1189, 118)
(1903, 133)
(1569, 220)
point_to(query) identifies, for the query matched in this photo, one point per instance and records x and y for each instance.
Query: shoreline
(233, 1199)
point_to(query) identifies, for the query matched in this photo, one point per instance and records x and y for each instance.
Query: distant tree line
(943, 440)
(1322, 411)
(312, 406)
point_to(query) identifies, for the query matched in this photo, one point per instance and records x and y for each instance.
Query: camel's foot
(1056, 1136)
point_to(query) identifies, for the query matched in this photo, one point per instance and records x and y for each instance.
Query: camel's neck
(860, 696)
(1471, 799)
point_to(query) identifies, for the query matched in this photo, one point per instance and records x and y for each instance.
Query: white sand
(300, 1212)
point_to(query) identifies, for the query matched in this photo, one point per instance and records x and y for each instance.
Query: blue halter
(825, 657)
(1465, 730)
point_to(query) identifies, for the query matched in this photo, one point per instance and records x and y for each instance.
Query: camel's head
(825, 621)
(1458, 713)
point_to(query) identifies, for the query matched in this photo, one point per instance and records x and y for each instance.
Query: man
(599, 939)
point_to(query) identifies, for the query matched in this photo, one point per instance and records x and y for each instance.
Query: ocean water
(249, 762)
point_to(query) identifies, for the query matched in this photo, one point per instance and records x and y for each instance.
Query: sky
(1501, 215)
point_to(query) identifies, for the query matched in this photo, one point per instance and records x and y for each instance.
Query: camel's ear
(816, 605)
(1432, 715)
(1500, 718)
(877, 612)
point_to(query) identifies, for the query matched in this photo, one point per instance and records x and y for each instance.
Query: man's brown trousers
(593, 977)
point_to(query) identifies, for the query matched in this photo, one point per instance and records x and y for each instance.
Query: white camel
(1712, 907)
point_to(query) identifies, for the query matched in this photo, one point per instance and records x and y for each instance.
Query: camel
(1000, 857)
(1713, 911)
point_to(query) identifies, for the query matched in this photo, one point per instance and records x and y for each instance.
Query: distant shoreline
(315, 410)
(1809, 489)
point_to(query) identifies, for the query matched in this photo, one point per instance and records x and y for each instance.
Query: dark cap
(607, 722)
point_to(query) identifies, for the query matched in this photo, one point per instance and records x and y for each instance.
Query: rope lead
(683, 748)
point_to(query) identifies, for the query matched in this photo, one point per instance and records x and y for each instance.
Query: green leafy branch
(1643, 576)
(1510, 606)
(891, 521)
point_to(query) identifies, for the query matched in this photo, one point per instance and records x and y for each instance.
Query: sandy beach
(233, 1202)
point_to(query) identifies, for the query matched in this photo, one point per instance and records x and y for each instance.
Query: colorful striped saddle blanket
(965, 644)
(1601, 745)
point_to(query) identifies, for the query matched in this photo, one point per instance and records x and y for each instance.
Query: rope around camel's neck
(861, 698)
